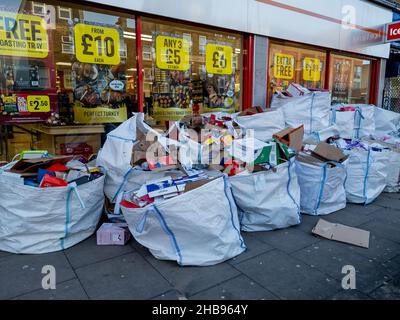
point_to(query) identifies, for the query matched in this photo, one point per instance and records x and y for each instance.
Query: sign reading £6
(97, 44)
(172, 53)
(23, 35)
(218, 59)
(311, 69)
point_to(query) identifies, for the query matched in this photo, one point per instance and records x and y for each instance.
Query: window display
(65, 66)
(190, 70)
(350, 79)
(289, 63)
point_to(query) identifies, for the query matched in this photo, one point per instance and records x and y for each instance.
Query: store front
(72, 71)
(348, 77)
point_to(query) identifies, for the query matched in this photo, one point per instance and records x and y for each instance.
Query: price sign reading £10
(311, 69)
(218, 59)
(97, 44)
(172, 53)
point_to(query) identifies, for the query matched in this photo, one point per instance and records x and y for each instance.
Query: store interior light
(132, 35)
(63, 63)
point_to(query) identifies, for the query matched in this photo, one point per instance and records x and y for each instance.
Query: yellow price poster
(172, 53)
(218, 59)
(283, 66)
(311, 69)
(97, 44)
(38, 104)
(101, 114)
(23, 35)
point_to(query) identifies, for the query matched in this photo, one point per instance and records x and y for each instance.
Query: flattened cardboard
(27, 167)
(194, 185)
(292, 137)
(328, 152)
(342, 233)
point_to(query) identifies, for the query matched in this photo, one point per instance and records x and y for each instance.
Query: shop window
(189, 70)
(71, 83)
(294, 63)
(349, 79)
(64, 13)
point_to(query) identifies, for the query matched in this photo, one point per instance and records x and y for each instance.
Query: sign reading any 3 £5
(172, 53)
(97, 44)
(23, 35)
(218, 59)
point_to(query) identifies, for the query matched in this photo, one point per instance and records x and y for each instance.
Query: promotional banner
(221, 92)
(98, 76)
(311, 69)
(172, 86)
(283, 66)
(23, 35)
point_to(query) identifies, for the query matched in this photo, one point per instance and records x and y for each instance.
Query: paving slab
(124, 277)
(68, 290)
(23, 273)
(350, 294)
(288, 240)
(331, 256)
(350, 218)
(239, 288)
(170, 295)
(383, 229)
(287, 277)
(388, 291)
(254, 248)
(88, 252)
(190, 280)
(387, 202)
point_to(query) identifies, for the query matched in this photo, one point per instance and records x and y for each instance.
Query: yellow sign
(283, 66)
(38, 103)
(218, 59)
(23, 35)
(97, 44)
(100, 114)
(172, 53)
(311, 69)
(170, 114)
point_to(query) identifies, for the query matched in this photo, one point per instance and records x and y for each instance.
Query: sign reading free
(283, 66)
(97, 44)
(172, 53)
(393, 32)
(23, 35)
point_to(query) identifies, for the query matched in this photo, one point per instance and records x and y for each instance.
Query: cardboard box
(296, 90)
(327, 152)
(342, 233)
(292, 137)
(113, 234)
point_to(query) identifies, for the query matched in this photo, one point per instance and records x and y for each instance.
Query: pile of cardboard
(51, 171)
(156, 191)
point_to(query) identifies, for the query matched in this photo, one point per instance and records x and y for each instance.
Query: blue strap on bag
(366, 176)
(72, 187)
(288, 188)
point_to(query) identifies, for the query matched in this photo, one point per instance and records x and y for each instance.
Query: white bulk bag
(267, 200)
(366, 175)
(40, 220)
(354, 124)
(311, 109)
(325, 134)
(321, 187)
(264, 124)
(116, 155)
(393, 172)
(198, 228)
(344, 122)
(385, 121)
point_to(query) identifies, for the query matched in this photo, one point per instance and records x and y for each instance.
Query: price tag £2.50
(97, 44)
(38, 104)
